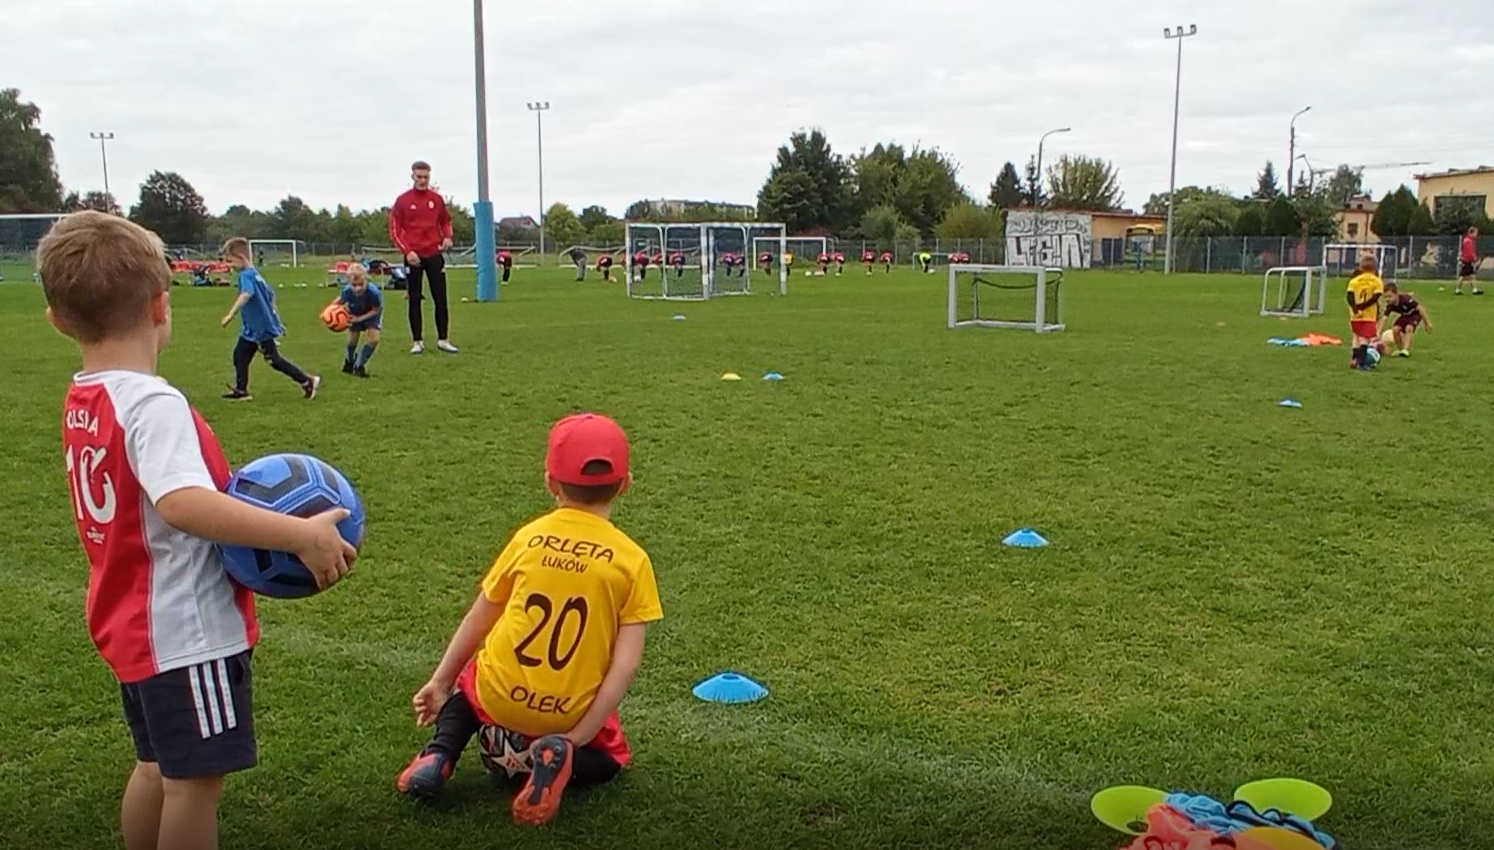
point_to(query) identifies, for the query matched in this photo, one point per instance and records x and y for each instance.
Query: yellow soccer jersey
(567, 582)
(1365, 286)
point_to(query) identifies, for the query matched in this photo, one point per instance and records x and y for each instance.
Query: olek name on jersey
(570, 555)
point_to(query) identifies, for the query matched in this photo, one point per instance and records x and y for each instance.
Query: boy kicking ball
(551, 645)
(365, 305)
(1409, 313)
(1364, 294)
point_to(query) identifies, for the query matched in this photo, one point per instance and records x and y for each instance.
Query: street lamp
(482, 212)
(1292, 152)
(104, 155)
(539, 109)
(1037, 187)
(1177, 99)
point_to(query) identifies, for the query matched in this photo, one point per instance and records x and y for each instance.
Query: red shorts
(1408, 322)
(1364, 330)
(609, 740)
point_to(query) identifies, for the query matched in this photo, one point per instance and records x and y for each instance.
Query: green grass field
(1234, 590)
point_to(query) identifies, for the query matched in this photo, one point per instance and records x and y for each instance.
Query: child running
(261, 326)
(365, 305)
(1409, 313)
(553, 641)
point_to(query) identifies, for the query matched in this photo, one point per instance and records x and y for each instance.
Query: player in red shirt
(420, 226)
(869, 258)
(824, 261)
(604, 265)
(506, 263)
(765, 262)
(887, 261)
(1409, 315)
(1468, 263)
(736, 264)
(146, 475)
(640, 264)
(840, 262)
(677, 262)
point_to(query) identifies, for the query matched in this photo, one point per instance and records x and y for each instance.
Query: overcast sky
(330, 100)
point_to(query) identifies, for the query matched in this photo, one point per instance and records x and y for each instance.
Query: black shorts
(1466, 270)
(195, 721)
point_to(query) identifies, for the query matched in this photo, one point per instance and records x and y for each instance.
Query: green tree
(593, 217)
(928, 189)
(373, 228)
(463, 223)
(1084, 183)
(876, 175)
(880, 224)
(1208, 214)
(607, 234)
(1455, 215)
(1282, 218)
(906, 234)
(94, 200)
(1032, 184)
(1251, 221)
(1266, 186)
(28, 169)
(292, 219)
(562, 226)
(1006, 192)
(1393, 215)
(970, 221)
(808, 188)
(1421, 223)
(1315, 213)
(1344, 185)
(170, 206)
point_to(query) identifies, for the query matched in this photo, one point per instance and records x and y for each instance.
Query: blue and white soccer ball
(1371, 356)
(299, 485)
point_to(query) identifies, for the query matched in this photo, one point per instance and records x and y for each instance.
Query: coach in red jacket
(420, 225)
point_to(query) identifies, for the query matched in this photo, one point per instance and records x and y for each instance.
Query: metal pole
(487, 260)
(1292, 153)
(104, 155)
(1037, 188)
(538, 108)
(1177, 100)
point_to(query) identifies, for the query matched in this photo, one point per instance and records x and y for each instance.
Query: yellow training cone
(731, 376)
(1299, 797)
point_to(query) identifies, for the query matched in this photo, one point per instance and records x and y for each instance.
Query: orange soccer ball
(336, 317)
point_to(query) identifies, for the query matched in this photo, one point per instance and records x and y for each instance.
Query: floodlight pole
(539, 108)
(1177, 100)
(1037, 188)
(104, 155)
(1292, 153)
(487, 259)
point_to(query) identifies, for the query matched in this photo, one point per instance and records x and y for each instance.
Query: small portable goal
(1017, 297)
(1300, 291)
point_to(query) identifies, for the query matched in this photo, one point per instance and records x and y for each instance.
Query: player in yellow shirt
(543, 658)
(1365, 291)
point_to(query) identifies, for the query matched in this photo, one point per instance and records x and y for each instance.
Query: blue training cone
(730, 688)
(772, 376)
(1025, 538)
(1289, 402)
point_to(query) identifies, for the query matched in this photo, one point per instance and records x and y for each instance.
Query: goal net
(1342, 260)
(694, 261)
(1294, 291)
(278, 252)
(1020, 297)
(19, 235)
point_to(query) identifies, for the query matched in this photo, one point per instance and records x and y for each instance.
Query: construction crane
(1312, 173)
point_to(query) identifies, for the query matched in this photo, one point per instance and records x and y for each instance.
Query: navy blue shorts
(195, 721)
(374, 324)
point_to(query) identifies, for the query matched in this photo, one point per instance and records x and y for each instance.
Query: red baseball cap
(583, 438)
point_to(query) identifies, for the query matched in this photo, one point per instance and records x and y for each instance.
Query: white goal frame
(53, 217)
(1314, 298)
(705, 246)
(1381, 251)
(1042, 322)
(294, 244)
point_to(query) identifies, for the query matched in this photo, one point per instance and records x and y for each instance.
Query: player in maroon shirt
(840, 262)
(506, 263)
(677, 261)
(604, 265)
(765, 262)
(1409, 314)
(420, 226)
(887, 261)
(734, 263)
(824, 261)
(1468, 263)
(640, 264)
(869, 258)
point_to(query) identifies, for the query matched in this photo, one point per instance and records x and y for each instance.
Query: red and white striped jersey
(158, 598)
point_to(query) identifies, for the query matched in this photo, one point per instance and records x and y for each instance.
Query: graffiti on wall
(1053, 239)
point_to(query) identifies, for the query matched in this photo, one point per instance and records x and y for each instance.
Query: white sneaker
(446, 346)
(418, 348)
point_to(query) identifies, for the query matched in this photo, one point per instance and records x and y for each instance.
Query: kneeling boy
(553, 641)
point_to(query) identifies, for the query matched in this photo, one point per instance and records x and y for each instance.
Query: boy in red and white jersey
(146, 475)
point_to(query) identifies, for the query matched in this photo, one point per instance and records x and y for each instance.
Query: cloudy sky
(330, 100)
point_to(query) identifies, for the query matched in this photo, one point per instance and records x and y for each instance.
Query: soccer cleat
(360, 372)
(539, 801)
(446, 346)
(1403, 353)
(418, 347)
(313, 384)
(347, 367)
(425, 775)
(237, 395)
